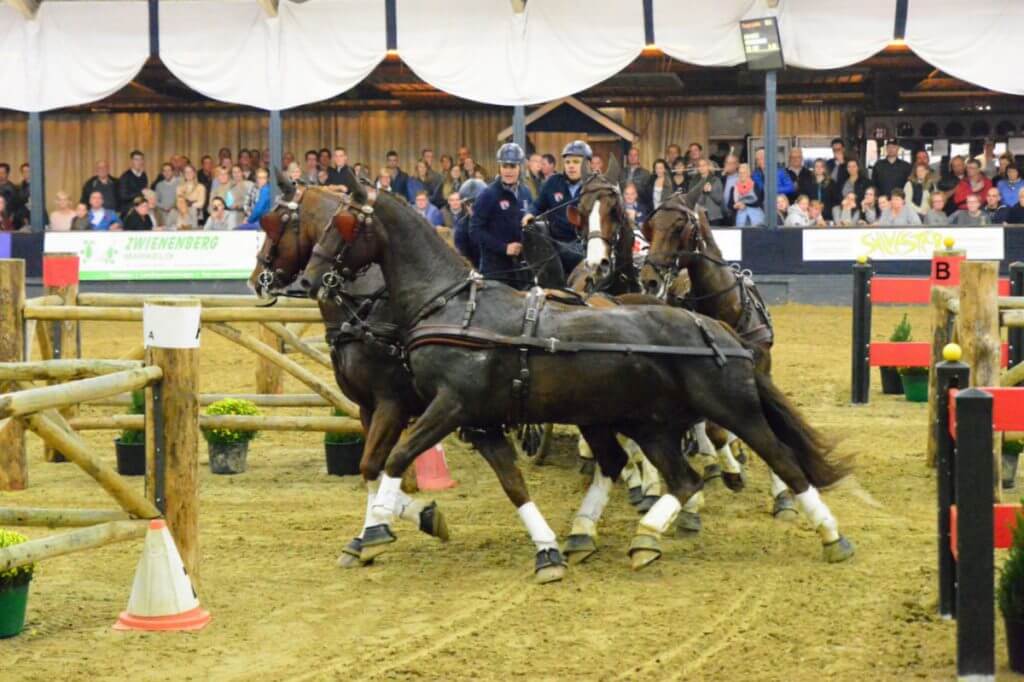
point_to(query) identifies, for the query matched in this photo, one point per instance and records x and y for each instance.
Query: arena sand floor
(749, 599)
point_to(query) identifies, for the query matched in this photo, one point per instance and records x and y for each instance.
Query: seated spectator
(746, 200)
(472, 170)
(783, 185)
(8, 190)
(418, 182)
(259, 199)
(150, 197)
(6, 217)
(680, 180)
(855, 182)
(321, 177)
(206, 172)
(1005, 161)
(798, 174)
(453, 180)
(238, 193)
(62, 215)
(822, 188)
(799, 214)
(339, 175)
(138, 218)
(883, 205)
(426, 209)
(193, 192)
(636, 211)
(847, 214)
(971, 214)
(310, 168)
(181, 218)
(166, 188)
(294, 173)
(995, 210)
(898, 213)
(1010, 187)
(80, 222)
(384, 181)
(101, 218)
(132, 181)
(868, 207)
(919, 188)
(452, 211)
(706, 192)
(974, 183)
(220, 219)
(781, 209)
(815, 215)
(102, 183)
(937, 213)
(1015, 216)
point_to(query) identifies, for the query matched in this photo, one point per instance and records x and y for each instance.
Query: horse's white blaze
(385, 501)
(597, 248)
(540, 532)
(810, 503)
(662, 514)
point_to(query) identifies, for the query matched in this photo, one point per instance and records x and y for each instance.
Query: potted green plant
(1010, 594)
(13, 589)
(343, 451)
(229, 447)
(915, 383)
(891, 383)
(130, 446)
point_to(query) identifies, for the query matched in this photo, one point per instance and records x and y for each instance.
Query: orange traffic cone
(432, 470)
(162, 595)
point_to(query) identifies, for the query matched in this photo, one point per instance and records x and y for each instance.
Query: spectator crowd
(233, 192)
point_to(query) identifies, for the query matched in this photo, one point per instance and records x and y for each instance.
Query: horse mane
(401, 205)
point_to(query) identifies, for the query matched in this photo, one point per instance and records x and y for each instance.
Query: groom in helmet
(560, 191)
(497, 219)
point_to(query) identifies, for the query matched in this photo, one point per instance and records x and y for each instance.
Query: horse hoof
(643, 551)
(579, 548)
(840, 550)
(636, 495)
(350, 555)
(712, 473)
(432, 522)
(688, 523)
(734, 482)
(587, 467)
(784, 508)
(646, 503)
(549, 566)
(375, 542)
(741, 455)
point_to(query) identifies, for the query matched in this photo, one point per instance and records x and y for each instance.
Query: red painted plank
(1007, 408)
(912, 290)
(896, 354)
(1004, 521)
(60, 271)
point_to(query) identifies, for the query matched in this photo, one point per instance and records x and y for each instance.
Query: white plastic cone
(162, 594)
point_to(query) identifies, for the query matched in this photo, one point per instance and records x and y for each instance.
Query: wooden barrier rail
(227, 421)
(62, 395)
(58, 518)
(258, 399)
(63, 370)
(227, 314)
(73, 541)
(205, 300)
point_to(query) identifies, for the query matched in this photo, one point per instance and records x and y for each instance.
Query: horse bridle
(267, 275)
(616, 241)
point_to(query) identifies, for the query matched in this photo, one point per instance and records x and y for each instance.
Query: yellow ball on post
(952, 352)
(948, 242)
(862, 259)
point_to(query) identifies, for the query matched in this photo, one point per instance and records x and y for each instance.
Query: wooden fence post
(945, 287)
(171, 332)
(978, 332)
(269, 377)
(13, 464)
(60, 276)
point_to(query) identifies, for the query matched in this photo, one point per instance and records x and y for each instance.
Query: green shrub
(914, 371)
(1011, 576)
(229, 436)
(14, 577)
(138, 406)
(901, 332)
(342, 437)
(1013, 447)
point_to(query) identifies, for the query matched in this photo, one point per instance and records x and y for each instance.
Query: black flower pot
(131, 458)
(1015, 643)
(891, 383)
(343, 458)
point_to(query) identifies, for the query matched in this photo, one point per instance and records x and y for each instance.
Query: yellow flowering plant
(14, 577)
(229, 436)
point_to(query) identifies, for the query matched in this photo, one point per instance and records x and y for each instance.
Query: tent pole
(36, 172)
(771, 146)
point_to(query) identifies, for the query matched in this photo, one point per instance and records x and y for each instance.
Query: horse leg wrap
(778, 486)
(809, 502)
(651, 479)
(661, 515)
(385, 501)
(540, 532)
(371, 494)
(585, 521)
(728, 462)
(694, 504)
(584, 449)
(407, 508)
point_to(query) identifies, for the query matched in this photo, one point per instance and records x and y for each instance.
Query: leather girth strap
(535, 300)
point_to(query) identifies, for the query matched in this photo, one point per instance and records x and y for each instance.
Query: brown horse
(682, 245)
(482, 353)
(601, 215)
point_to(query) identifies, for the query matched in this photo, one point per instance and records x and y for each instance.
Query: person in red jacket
(974, 183)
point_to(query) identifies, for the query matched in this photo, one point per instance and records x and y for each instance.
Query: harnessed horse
(466, 340)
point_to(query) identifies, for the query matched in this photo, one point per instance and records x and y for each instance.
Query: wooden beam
(73, 541)
(206, 300)
(261, 400)
(63, 370)
(112, 314)
(13, 463)
(27, 8)
(290, 338)
(61, 395)
(58, 518)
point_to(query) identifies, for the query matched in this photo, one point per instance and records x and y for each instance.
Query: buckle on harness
(552, 345)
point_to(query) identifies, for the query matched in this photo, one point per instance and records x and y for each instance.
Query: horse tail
(812, 448)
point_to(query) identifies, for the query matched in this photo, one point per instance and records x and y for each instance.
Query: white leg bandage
(694, 504)
(585, 521)
(584, 449)
(385, 501)
(809, 502)
(728, 462)
(371, 493)
(631, 476)
(540, 532)
(407, 508)
(651, 479)
(704, 444)
(662, 514)
(778, 485)
(730, 438)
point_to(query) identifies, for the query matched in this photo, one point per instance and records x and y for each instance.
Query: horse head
(601, 216)
(350, 244)
(677, 234)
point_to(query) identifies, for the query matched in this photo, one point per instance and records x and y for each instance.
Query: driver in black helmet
(559, 192)
(497, 219)
(464, 242)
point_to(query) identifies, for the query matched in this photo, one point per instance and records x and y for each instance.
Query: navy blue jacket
(553, 192)
(497, 222)
(465, 242)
